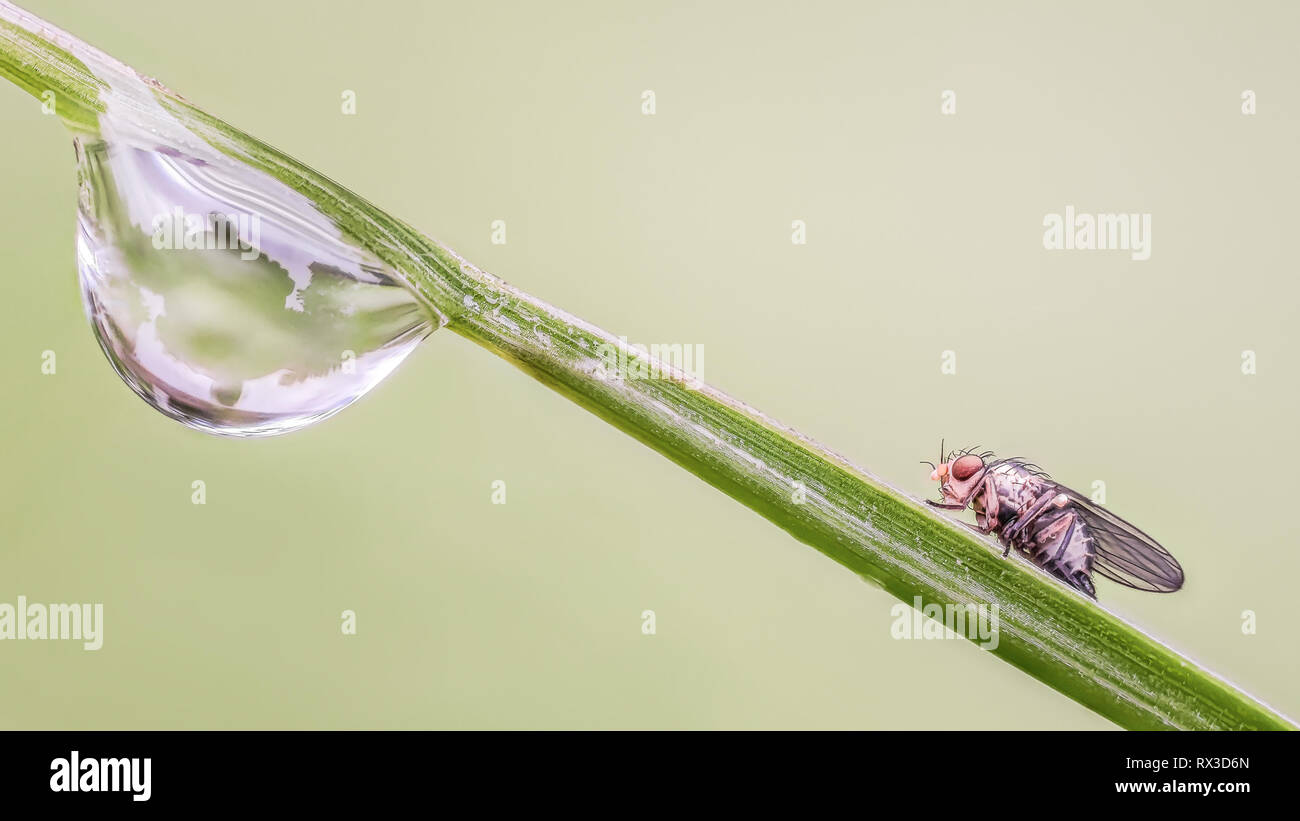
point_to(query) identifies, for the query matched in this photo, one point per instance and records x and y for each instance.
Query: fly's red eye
(966, 467)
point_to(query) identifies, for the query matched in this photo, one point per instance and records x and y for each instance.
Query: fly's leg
(944, 505)
(1036, 509)
(987, 518)
(991, 508)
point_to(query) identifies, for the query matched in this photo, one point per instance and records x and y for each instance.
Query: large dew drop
(225, 299)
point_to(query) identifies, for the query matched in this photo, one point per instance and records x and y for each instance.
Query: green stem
(1046, 629)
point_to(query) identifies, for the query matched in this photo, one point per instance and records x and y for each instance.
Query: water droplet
(225, 299)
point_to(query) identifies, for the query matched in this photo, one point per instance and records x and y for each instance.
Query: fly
(1056, 528)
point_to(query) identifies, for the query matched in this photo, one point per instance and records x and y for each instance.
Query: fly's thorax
(1016, 486)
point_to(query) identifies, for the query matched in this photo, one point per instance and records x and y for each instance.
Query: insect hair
(957, 454)
(1025, 465)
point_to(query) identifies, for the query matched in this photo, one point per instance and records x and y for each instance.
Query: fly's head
(958, 477)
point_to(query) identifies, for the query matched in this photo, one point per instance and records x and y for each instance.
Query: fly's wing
(1125, 554)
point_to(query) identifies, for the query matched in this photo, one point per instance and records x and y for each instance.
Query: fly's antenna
(931, 464)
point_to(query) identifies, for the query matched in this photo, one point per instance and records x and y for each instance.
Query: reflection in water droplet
(225, 299)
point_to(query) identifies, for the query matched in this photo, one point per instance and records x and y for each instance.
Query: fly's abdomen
(1061, 542)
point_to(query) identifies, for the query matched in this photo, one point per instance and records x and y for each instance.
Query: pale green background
(924, 234)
